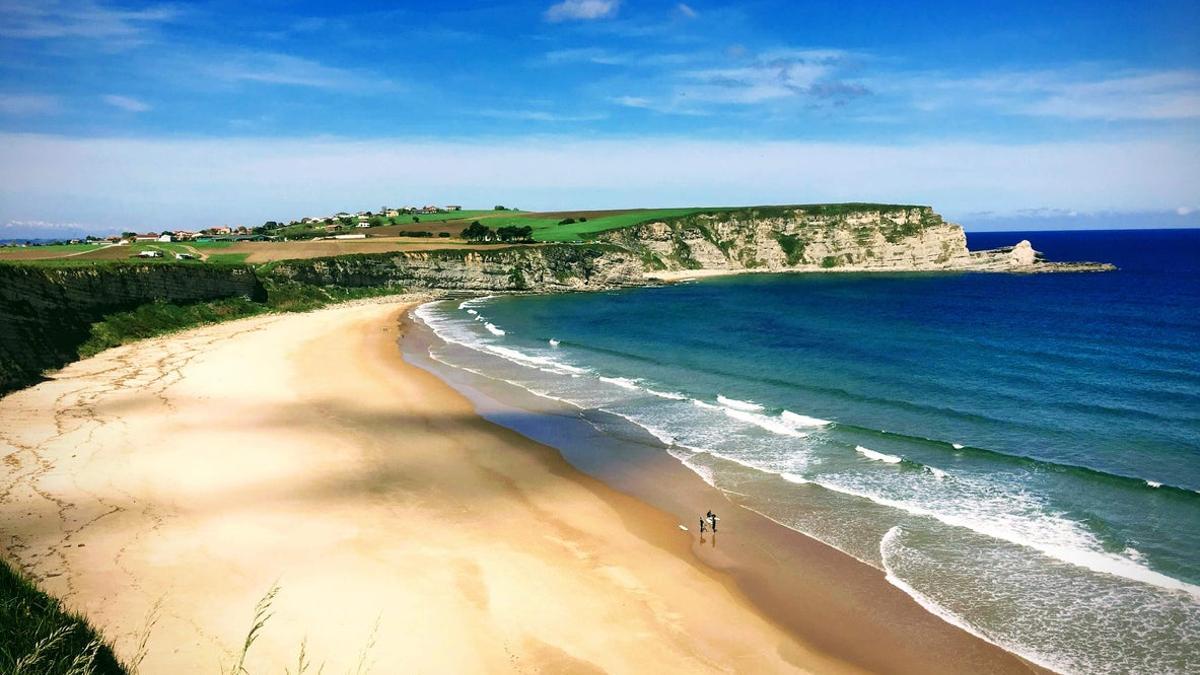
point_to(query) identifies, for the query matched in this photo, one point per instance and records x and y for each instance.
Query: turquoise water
(1021, 454)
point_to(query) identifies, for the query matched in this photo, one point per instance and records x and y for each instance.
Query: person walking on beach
(712, 518)
(701, 524)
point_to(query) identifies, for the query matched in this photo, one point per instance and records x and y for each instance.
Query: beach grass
(38, 636)
(160, 318)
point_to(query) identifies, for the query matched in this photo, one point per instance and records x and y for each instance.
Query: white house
(363, 224)
(164, 238)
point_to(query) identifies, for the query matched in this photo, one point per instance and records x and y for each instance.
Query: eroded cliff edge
(831, 237)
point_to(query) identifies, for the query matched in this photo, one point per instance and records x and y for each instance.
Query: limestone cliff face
(818, 238)
(524, 268)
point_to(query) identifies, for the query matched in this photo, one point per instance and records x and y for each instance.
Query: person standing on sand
(701, 524)
(712, 518)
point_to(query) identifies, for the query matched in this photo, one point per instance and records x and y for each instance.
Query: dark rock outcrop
(47, 312)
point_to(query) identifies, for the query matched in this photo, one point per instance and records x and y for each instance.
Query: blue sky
(1015, 115)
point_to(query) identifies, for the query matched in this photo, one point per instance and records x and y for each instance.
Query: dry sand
(200, 469)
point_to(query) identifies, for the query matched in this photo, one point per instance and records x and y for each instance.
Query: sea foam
(802, 420)
(493, 328)
(877, 456)
(748, 406)
(622, 382)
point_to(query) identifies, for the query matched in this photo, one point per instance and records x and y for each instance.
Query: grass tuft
(262, 614)
(38, 636)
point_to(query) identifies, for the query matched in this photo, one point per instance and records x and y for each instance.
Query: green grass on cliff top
(548, 229)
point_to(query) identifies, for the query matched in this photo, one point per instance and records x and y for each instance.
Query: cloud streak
(1143, 95)
(47, 19)
(286, 70)
(28, 104)
(581, 10)
(126, 103)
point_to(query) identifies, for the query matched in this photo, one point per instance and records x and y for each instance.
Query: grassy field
(600, 222)
(545, 225)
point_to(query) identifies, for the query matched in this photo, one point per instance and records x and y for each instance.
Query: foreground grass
(40, 637)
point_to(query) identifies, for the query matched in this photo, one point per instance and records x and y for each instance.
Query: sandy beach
(196, 471)
(200, 469)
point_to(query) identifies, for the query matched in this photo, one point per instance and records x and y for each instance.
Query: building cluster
(338, 221)
(363, 218)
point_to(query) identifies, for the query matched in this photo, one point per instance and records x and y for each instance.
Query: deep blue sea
(1020, 453)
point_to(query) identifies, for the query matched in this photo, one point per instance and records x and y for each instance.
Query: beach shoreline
(195, 471)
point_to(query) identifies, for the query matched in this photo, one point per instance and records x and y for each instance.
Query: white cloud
(160, 182)
(284, 69)
(812, 77)
(1130, 95)
(1186, 210)
(126, 103)
(42, 19)
(685, 10)
(28, 104)
(586, 55)
(632, 101)
(582, 10)
(540, 116)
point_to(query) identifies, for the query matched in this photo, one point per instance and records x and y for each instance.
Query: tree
(514, 233)
(499, 207)
(377, 221)
(477, 231)
(128, 235)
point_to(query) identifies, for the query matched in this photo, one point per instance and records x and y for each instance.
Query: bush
(444, 235)
(566, 221)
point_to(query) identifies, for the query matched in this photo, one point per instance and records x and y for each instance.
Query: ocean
(1019, 453)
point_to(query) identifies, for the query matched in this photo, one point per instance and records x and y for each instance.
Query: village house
(149, 236)
(392, 213)
(454, 207)
(164, 238)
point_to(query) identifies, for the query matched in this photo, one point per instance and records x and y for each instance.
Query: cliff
(546, 268)
(47, 312)
(835, 237)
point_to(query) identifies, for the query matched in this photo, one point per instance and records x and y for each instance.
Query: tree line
(477, 231)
